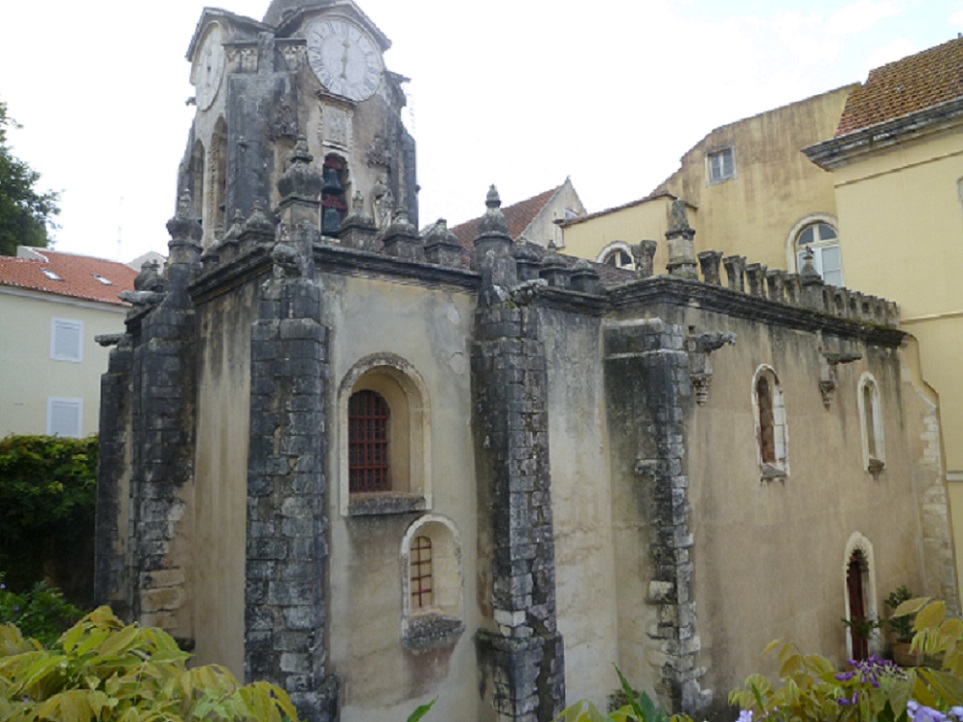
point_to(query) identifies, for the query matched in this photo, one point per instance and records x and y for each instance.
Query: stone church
(378, 468)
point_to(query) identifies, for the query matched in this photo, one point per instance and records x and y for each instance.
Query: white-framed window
(772, 437)
(64, 416)
(617, 254)
(720, 165)
(871, 424)
(823, 239)
(66, 340)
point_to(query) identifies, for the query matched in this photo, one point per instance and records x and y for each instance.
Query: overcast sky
(521, 93)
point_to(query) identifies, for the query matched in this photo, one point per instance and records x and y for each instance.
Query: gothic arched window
(770, 416)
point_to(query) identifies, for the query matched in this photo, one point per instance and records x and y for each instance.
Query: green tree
(26, 214)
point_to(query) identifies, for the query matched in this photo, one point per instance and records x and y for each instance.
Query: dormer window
(50, 274)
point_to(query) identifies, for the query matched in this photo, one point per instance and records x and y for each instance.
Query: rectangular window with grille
(720, 165)
(66, 340)
(421, 573)
(368, 462)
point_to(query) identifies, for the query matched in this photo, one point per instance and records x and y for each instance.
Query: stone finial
(526, 259)
(809, 274)
(401, 238)
(257, 229)
(584, 278)
(183, 226)
(735, 272)
(554, 270)
(442, 246)
(710, 262)
(679, 217)
(494, 220)
(300, 179)
(149, 278)
(643, 253)
(812, 284)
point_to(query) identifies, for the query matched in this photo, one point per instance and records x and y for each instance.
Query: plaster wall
(770, 556)
(775, 185)
(901, 225)
(221, 460)
(585, 573)
(646, 220)
(383, 680)
(32, 376)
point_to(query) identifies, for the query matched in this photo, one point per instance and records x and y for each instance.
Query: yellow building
(749, 190)
(51, 307)
(897, 169)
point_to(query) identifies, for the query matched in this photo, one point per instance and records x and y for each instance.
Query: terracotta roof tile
(905, 86)
(519, 217)
(78, 276)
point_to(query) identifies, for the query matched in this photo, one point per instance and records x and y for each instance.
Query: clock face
(345, 58)
(209, 66)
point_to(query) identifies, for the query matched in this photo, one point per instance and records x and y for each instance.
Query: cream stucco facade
(36, 377)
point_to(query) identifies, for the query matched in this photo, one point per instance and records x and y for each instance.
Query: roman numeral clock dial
(345, 58)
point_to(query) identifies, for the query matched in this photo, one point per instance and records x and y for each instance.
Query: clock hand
(344, 59)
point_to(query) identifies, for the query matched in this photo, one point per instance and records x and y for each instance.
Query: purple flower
(745, 716)
(844, 676)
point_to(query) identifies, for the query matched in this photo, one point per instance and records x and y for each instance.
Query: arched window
(871, 424)
(770, 417)
(384, 445)
(334, 172)
(197, 181)
(859, 591)
(824, 242)
(432, 583)
(617, 254)
(369, 467)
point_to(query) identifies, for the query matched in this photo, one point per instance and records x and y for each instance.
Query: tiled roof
(78, 276)
(519, 217)
(905, 86)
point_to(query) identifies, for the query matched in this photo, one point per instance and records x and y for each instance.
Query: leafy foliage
(640, 708)
(107, 671)
(41, 612)
(902, 625)
(26, 215)
(812, 689)
(47, 499)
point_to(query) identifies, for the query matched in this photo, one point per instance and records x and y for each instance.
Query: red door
(857, 607)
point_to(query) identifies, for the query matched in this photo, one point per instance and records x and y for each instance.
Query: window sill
(771, 472)
(430, 631)
(385, 502)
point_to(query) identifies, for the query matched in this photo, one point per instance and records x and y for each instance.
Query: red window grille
(421, 573)
(368, 467)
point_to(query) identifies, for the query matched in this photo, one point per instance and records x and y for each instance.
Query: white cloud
(859, 16)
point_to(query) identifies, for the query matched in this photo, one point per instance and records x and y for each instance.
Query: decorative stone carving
(700, 348)
(379, 152)
(643, 253)
(827, 372)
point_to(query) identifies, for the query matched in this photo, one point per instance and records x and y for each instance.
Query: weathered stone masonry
(525, 657)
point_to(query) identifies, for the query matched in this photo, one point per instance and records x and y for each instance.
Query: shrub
(47, 500)
(812, 690)
(41, 612)
(106, 671)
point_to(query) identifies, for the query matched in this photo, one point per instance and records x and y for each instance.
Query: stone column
(525, 656)
(710, 261)
(735, 272)
(285, 601)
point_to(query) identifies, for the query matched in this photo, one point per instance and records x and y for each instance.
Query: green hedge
(47, 500)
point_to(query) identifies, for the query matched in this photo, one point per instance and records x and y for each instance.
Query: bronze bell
(330, 222)
(332, 184)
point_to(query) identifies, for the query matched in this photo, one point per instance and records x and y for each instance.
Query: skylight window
(105, 281)
(50, 274)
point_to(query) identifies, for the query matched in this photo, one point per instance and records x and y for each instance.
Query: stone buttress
(648, 390)
(524, 657)
(286, 564)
